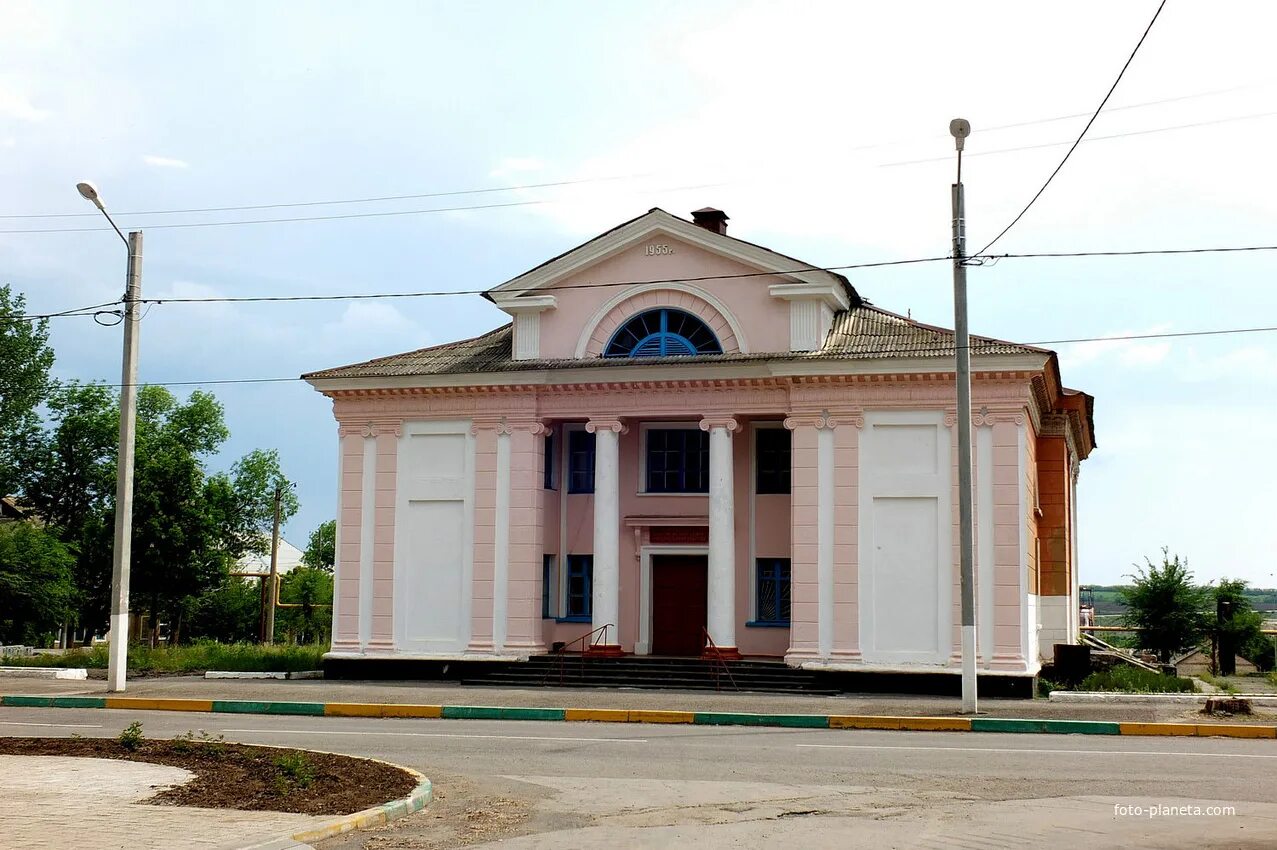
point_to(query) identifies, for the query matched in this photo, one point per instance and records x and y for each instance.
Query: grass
(191, 658)
(1136, 680)
(1219, 682)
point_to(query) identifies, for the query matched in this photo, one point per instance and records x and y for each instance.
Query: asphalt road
(532, 785)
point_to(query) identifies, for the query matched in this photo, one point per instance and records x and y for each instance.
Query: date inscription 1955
(657, 250)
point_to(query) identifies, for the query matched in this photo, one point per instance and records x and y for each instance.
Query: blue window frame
(772, 596)
(580, 581)
(772, 459)
(548, 584)
(662, 332)
(580, 462)
(548, 445)
(677, 460)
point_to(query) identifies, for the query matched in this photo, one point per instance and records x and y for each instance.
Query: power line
(231, 299)
(91, 310)
(341, 216)
(918, 350)
(1069, 153)
(587, 180)
(449, 194)
(968, 155)
(883, 264)
(361, 296)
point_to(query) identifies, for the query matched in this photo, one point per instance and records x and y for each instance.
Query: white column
(368, 518)
(501, 549)
(605, 599)
(825, 538)
(721, 601)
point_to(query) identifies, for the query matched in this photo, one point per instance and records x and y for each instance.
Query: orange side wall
(1053, 525)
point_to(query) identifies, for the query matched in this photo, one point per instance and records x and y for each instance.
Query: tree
(71, 484)
(321, 551)
(229, 612)
(312, 589)
(24, 385)
(1169, 610)
(1241, 629)
(35, 583)
(177, 551)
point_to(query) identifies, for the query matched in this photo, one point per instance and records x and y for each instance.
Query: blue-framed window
(677, 460)
(772, 592)
(580, 462)
(662, 332)
(772, 459)
(549, 588)
(580, 587)
(548, 451)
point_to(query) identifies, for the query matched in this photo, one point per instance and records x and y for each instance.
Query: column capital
(370, 428)
(719, 421)
(824, 419)
(987, 415)
(606, 423)
(535, 426)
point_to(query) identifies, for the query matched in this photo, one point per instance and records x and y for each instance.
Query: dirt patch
(464, 812)
(237, 776)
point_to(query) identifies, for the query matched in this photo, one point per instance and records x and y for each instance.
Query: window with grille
(549, 588)
(580, 579)
(580, 462)
(772, 459)
(677, 460)
(772, 577)
(662, 332)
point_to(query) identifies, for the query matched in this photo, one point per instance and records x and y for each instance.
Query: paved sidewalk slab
(53, 801)
(410, 698)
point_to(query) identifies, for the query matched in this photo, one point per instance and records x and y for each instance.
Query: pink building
(682, 434)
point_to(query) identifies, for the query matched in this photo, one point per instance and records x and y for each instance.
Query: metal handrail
(586, 640)
(717, 655)
(1136, 629)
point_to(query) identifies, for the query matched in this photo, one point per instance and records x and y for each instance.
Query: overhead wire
(1081, 135)
(976, 347)
(981, 259)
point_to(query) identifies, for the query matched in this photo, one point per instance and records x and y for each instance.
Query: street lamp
(117, 649)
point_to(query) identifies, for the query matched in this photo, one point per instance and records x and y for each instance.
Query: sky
(821, 128)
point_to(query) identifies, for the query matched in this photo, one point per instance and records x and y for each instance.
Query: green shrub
(191, 658)
(1136, 680)
(1045, 686)
(131, 738)
(295, 771)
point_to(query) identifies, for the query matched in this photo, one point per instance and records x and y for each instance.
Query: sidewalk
(443, 693)
(48, 801)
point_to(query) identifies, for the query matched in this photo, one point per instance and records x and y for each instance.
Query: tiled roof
(862, 333)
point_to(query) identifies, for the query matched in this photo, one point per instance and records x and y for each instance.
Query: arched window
(661, 333)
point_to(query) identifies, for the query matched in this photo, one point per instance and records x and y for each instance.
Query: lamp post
(117, 649)
(959, 128)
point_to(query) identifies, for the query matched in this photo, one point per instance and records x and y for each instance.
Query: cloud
(514, 165)
(17, 106)
(1249, 364)
(165, 162)
(1133, 353)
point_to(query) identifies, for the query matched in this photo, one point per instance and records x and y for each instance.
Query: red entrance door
(679, 587)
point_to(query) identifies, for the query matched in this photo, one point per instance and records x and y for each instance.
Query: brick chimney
(710, 219)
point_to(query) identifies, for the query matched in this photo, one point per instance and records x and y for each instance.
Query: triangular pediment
(530, 289)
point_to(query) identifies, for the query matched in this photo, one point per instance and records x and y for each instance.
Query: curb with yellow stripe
(621, 715)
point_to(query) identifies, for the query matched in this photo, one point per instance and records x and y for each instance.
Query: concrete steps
(575, 671)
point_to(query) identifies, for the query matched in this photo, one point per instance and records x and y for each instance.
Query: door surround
(643, 646)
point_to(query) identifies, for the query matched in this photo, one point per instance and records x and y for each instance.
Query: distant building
(1196, 662)
(682, 434)
(290, 557)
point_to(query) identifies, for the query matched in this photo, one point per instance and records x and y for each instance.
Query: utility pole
(118, 646)
(960, 128)
(118, 649)
(272, 583)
